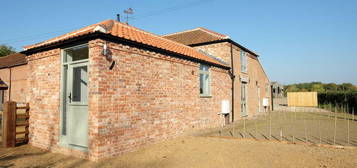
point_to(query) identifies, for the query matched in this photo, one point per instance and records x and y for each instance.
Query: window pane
(204, 80)
(205, 91)
(204, 67)
(80, 80)
(76, 53)
(201, 83)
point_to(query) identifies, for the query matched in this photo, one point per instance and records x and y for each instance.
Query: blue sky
(299, 41)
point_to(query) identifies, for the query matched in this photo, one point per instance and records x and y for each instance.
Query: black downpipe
(232, 77)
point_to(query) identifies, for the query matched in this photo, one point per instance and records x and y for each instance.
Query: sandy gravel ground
(295, 127)
(192, 151)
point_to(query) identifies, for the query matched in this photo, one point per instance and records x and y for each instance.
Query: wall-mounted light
(106, 52)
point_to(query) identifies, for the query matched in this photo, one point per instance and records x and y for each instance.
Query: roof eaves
(214, 57)
(3, 85)
(226, 40)
(14, 65)
(138, 44)
(106, 36)
(84, 37)
(218, 35)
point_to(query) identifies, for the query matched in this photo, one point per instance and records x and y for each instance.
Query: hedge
(347, 100)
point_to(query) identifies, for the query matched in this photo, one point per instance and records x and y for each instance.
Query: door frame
(63, 140)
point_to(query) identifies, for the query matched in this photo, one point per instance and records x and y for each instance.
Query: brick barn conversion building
(13, 78)
(109, 88)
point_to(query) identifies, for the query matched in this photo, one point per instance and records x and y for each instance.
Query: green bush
(345, 100)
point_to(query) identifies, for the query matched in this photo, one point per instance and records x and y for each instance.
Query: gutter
(12, 66)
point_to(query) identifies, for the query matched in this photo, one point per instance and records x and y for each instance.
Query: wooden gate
(15, 123)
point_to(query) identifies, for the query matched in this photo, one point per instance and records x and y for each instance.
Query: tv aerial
(128, 12)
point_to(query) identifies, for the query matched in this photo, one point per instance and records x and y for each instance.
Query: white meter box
(225, 107)
(265, 102)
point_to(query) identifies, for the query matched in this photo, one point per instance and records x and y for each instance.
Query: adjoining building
(250, 84)
(278, 90)
(109, 88)
(13, 78)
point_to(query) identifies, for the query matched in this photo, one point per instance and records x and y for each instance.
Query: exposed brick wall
(255, 74)
(220, 50)
(44, 98)
(147, 97)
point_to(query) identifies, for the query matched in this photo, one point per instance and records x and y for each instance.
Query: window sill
(205, 96)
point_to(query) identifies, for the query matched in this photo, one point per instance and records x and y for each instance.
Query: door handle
(70, 97)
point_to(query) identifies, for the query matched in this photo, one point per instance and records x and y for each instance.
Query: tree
(317, 87)
(331, 87)
(347, 87)
(6, 50)
(320, 87)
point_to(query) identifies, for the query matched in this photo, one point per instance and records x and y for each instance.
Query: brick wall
(147, 97)
(44, 98)
(255, 74)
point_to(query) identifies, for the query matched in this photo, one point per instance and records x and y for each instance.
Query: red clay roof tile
(125, 31)
(196, 36)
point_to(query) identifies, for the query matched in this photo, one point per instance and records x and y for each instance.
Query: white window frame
(244, 61)
(207, 91)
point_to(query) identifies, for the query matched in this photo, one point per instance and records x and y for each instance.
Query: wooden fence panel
(302, 99)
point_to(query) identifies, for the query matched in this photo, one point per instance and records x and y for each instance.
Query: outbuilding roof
(3, 85)
(12, 60)
(124, 31)
(196, 36)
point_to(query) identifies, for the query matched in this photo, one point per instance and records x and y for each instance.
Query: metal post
(280, 126)
(270, 125)
(334, 134)
(348, 130)
(320, 131)
(305, 130)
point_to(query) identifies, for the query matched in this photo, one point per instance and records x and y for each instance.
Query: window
(204, 80)
(76, 53)
(267, 88)
(243, 60)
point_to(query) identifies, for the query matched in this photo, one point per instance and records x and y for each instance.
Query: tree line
(320, 87)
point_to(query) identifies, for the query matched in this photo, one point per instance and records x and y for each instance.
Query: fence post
(334, 133)
(9, 119)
